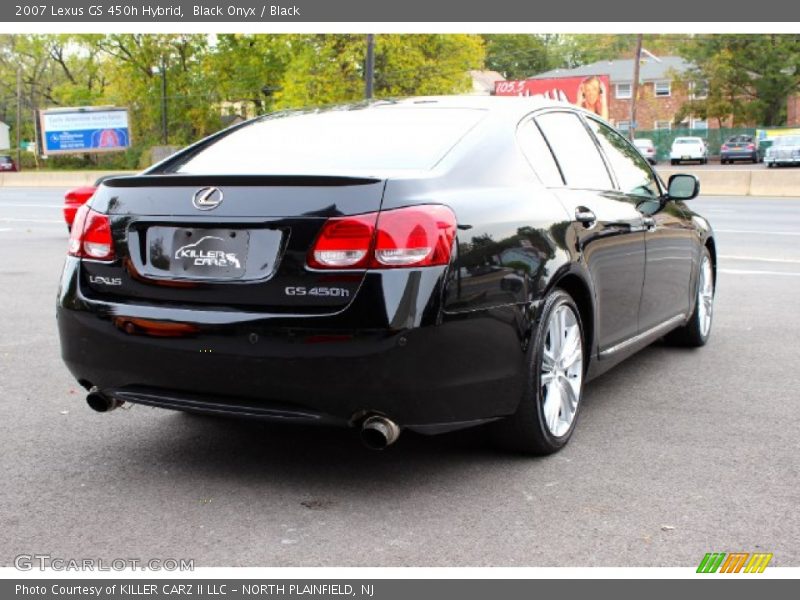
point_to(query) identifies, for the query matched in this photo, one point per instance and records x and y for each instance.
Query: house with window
(660, 97)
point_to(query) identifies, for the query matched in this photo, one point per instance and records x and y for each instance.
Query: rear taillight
(418, 235)
(90, 236)
(79, 195)
(415, 236)
(751, 146)
(724, 147)
(344, 243)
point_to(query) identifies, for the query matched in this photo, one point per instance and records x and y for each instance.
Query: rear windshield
(382, 137)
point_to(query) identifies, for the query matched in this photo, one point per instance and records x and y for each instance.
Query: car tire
(697, 331)
(548, 410)
(673, 162)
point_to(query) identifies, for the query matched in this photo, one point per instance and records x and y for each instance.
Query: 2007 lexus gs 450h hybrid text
(426, 264)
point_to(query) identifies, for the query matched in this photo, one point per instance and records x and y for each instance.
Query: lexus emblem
(207, 198)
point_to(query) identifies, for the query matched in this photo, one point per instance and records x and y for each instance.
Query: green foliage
(211, 78)
(517, 56)
(749, 76)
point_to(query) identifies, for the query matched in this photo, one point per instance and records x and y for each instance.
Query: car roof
(498, 107)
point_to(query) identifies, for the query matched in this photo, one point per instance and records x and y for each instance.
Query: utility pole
(637, 59)
(369, 68)
(164, 123)
(19, 115)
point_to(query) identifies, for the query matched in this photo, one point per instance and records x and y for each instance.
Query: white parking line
(11, 220)
(6, 204)
(760, 259)
(757, 232)
(746, 272)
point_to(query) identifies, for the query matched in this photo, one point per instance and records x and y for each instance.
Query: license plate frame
(201, 253)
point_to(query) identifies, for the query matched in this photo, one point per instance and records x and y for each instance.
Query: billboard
(590, 92)
(84, 129)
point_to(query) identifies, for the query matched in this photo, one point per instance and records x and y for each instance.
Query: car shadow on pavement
(275, 457)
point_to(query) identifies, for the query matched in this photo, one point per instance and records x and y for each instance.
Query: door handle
(586, 216)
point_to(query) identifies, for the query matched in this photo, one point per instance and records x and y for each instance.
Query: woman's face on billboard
(591, 90)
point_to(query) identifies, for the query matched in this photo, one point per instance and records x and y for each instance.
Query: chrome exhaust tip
(379, 432)
(99, 402)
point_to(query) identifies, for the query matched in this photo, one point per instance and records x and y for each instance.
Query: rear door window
(536, 150)
(575, 151)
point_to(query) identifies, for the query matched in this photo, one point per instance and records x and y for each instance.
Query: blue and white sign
(80, 130)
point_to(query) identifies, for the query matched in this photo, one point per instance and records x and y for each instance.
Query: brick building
(660, 97)
(793, 111)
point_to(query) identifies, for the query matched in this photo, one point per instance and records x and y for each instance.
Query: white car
(785, 150)
(688, 148)
(647, 148)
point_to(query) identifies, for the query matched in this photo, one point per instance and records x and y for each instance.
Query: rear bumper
(739, 155)
(426, 371)
(782, 161)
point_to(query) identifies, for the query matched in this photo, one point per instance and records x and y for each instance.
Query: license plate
(210, 253)
(198, 253)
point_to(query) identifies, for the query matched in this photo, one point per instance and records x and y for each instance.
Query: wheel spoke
(569, 401)
(552, 405)
(572, 350)
(546, 377)
(548, 360)
(562, 329)
(574, 388)
(555, 336)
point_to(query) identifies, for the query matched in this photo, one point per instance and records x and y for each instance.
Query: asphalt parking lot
(678, 452)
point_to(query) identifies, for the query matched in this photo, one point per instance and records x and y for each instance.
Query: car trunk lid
(227, 241)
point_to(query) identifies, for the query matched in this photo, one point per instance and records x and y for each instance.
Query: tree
(518, 56)
(324, 69)
(749, 77)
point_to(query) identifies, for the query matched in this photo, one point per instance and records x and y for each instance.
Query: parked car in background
(7, 163)
(785, 150)
(647, 148)
(739, 147)
(77, 197)
(382, 266)
(685, 149)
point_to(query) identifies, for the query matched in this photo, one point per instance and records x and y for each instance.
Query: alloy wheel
(705, 296)
(561, 370)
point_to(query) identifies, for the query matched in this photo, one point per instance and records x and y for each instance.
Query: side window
(575, 151)
(538, 154)
(633, 173)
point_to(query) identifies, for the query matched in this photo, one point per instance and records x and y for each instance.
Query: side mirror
(683, 187)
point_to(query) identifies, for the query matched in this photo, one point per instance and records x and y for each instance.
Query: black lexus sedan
(426, 264)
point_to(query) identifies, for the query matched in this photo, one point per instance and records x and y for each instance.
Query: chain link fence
(663, 138)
